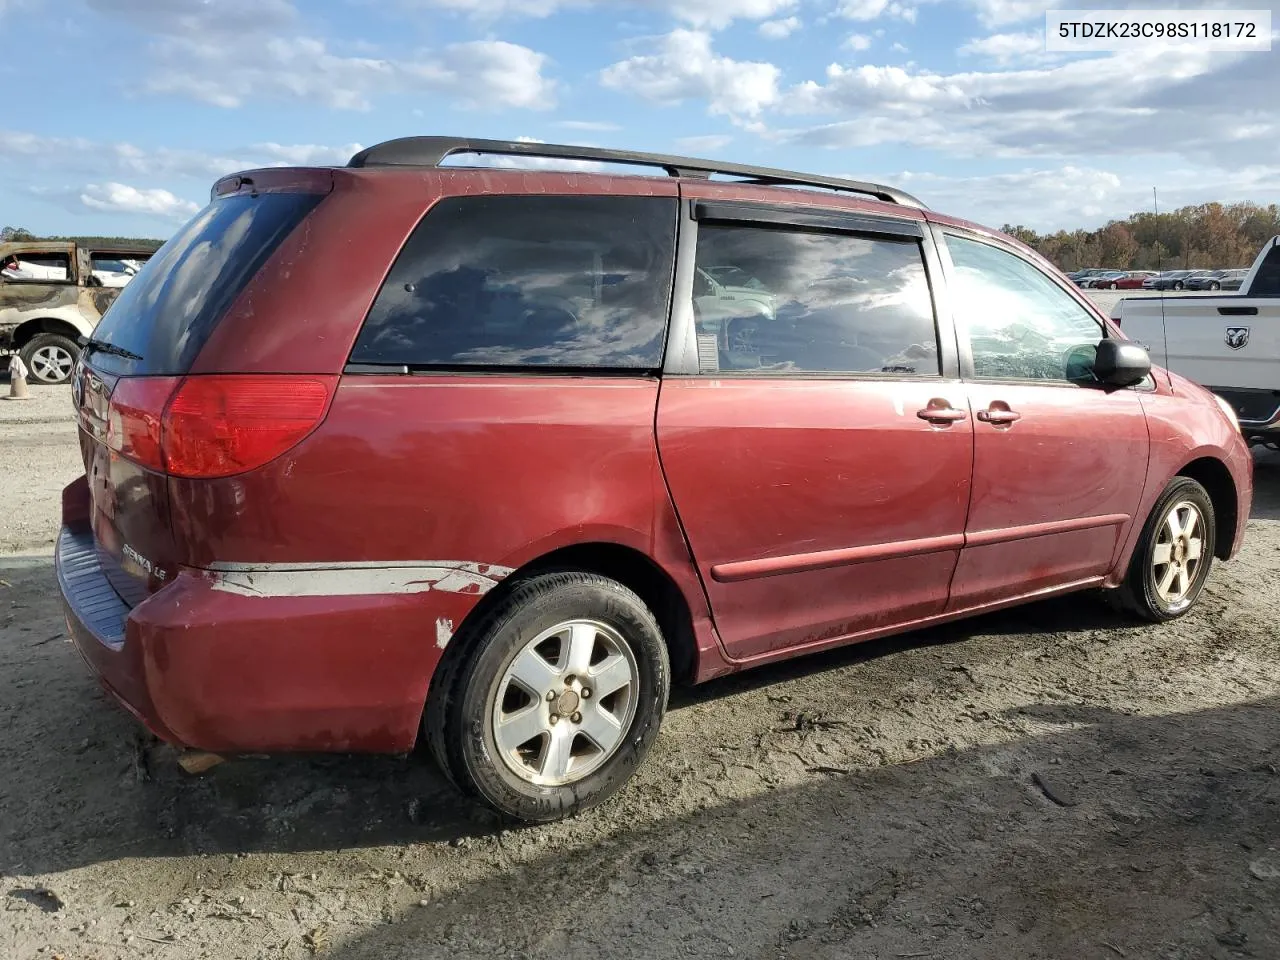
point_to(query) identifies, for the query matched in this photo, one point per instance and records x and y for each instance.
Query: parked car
(1121, 280)
(1171, 280)
(1206, 280)
(1231, 280)
(1231, 344)
(1080, 276)
(1102, 280)
(51, 294)
(1135, 280)
(502, 478)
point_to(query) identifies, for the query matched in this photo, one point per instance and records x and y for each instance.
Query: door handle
(999, 416)
(940, 412)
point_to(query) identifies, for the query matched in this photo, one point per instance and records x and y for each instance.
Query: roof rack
(431, 151)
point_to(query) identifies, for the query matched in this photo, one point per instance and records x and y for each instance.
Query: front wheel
(556, 699)
(1174, 554)
(1215, 286)
(50, 358)
(1114, 287)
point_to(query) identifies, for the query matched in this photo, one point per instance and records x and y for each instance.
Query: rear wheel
(556, 699)
(1178, 285)
(1215, 285)
(1173, 556)
(50, 358)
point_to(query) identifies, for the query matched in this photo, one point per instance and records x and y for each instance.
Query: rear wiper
(112, 349)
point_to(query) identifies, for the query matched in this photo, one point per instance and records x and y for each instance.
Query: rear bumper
(206, 668)
(96, 621)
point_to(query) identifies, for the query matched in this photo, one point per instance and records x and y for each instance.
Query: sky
(120, 114)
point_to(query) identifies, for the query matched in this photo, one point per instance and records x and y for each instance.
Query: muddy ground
(1048, 782)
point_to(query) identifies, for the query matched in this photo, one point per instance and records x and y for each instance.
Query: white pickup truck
(1228, 343)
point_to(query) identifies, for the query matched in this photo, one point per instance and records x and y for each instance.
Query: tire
(1215, 286)
(538, 632)
(1113, 287)
(50, 358)
(1141, 592)
(1179, 285)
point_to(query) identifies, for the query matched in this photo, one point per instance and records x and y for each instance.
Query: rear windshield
(528, 281)
(167, 312)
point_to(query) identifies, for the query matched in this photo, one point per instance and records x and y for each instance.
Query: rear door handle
(999, 416)
(940, 412)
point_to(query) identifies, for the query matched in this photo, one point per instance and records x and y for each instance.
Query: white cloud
(899, 48)
(857, 42)
(708, 143)
(1072, 195)
(593, 125)
(710, 14)
(1135, 104)
(121, 159)
(496, 9)
(716, 14)
(121, 198)
(1006, 48)
(683, 66)
(998, 13)
(875, 9)
(779, 29)
(482, 74)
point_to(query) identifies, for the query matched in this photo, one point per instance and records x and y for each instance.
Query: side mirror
(1121, 363)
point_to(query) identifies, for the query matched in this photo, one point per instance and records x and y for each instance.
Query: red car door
(1059, 461)
(816, 453)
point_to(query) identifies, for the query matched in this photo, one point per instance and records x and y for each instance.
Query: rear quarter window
(169, 309)
(528, 281)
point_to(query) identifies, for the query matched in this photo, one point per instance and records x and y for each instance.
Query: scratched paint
(357, 579)
(444, 632)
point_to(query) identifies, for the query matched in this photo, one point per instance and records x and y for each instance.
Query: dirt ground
(1047, 782)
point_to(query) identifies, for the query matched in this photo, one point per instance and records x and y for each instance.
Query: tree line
(22, 235)
(1206, 236)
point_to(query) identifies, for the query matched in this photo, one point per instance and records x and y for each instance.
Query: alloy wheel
(51, 364)
(565, 702)
(1177, 555)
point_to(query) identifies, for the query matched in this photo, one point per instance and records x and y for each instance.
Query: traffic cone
(17, 379)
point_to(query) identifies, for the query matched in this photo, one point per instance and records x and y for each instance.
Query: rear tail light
(214, 426)
(133, 419)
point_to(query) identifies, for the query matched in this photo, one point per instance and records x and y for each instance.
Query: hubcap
(1177, 556)
(565, 702)
(51, 364)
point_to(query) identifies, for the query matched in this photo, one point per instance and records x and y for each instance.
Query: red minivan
(495, 455)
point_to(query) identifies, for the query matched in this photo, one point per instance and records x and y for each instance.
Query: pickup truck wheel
(50, 358)
(556, 698)
(1173, 556)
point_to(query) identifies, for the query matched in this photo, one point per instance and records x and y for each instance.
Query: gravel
(1047, 782)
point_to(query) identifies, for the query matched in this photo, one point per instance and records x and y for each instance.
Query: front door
(818, 458)
(1059, 460)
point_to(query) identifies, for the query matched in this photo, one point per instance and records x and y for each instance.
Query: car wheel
(1173, 556)
(1215, 286)
(1178, 285)
(1114, 287)
(554, 700)
(50, 358)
